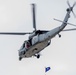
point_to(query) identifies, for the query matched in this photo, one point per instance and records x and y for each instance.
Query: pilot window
(23, 45)
(27, 45)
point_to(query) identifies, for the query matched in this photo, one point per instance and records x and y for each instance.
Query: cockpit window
(23, 45)
(26, 45)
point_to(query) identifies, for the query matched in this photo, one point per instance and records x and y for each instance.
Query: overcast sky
(16, 16)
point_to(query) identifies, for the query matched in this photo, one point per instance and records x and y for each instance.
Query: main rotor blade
(70, 29)
(13, 33)
(34, 20)
(65, 22)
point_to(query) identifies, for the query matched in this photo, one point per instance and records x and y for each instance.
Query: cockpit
(25, 45)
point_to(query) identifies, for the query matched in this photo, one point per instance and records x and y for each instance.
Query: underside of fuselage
(35, 49)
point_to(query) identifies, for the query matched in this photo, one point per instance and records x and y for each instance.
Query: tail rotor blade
(72, 10)
(68, 3)
(34, 20)
(74, 14)
(74, 4)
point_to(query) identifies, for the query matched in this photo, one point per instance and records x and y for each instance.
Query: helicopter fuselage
(38, 42)
(41, 39)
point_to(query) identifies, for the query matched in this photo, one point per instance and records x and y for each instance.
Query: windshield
(23, 46)
(26, 45)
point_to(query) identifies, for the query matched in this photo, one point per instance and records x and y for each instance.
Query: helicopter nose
(21, 53)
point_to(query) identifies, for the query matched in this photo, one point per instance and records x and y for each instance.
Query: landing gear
(20, 58)
(38, 56)
(59, 35)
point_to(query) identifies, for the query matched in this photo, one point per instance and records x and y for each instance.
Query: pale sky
(16, 16)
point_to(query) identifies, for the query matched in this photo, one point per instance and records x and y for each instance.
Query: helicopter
(38, 40)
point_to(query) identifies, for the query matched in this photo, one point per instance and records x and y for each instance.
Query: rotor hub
(69, 9)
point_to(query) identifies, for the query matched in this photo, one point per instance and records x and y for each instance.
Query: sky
(16, 16)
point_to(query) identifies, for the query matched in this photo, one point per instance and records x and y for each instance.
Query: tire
(38, 56)
(20, 58)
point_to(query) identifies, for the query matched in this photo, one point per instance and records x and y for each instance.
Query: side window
(27, 45)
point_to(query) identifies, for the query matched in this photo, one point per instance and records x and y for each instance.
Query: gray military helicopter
(40, 39)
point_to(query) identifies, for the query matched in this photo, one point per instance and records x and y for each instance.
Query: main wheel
(59, 36)
(38, 56)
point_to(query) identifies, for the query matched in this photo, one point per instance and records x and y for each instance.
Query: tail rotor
(71, 8)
